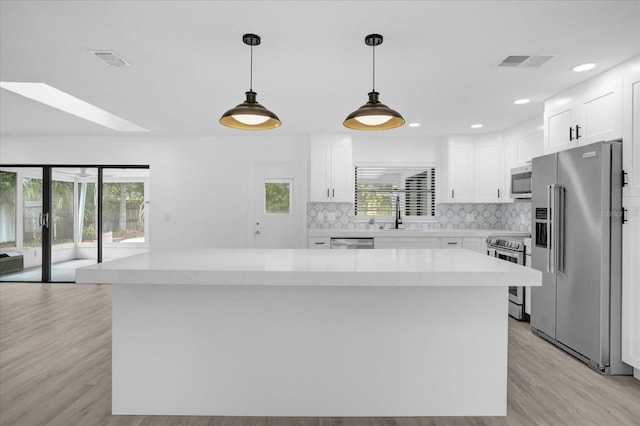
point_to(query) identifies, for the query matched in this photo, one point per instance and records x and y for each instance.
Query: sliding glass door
(21, 222)
(73, 221)
(55, 219)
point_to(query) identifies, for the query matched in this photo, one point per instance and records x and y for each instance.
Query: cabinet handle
(570, 134)
(319, 244)
(452, 194)
(624, 216)
(498, 192)
(327, 192)
(577, 132)
(333, 193)
(452, 244)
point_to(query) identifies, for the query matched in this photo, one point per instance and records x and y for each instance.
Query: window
(62, 212)
(380, 188)
(123, 213)
(277, 196)
(8, 209)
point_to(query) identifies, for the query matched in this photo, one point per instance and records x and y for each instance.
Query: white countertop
(368, 233)
(301, 267)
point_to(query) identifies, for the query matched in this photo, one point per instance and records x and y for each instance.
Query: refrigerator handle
(560, 217)
(550, 231)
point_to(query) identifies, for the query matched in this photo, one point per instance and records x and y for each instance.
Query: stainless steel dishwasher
(352, 243)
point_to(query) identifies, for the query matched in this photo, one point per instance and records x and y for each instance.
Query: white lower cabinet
(631, 283)
(474, 243)
(405, 242)
(319, 242)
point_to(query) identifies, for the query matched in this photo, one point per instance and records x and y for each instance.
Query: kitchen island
(391, 332)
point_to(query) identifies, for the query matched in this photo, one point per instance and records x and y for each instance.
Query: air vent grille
(525, 61)
(110, 58)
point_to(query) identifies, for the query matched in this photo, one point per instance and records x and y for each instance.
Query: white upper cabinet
(461, 172)
(631, 131)
(473, 169)
(489, 170)
(331, 168)
(587, 113)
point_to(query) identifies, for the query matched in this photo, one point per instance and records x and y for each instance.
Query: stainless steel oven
(512, 250)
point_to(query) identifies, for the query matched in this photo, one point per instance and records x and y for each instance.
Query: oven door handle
(507, 253)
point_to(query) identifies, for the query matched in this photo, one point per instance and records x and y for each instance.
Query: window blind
(379, 188)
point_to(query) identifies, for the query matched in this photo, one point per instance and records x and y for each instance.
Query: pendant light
(250, 115)
(373, 115)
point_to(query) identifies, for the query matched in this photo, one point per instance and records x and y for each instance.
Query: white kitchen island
(392, 332)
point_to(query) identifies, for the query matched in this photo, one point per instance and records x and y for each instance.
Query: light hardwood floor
(55, 369)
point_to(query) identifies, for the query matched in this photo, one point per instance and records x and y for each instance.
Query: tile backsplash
(511, 216)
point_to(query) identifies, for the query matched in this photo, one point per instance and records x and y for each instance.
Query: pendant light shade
(250, 115)
(374, 115)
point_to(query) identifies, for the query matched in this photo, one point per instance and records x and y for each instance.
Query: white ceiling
(437, 65)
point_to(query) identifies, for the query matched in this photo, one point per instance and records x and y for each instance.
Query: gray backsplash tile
(511, 216)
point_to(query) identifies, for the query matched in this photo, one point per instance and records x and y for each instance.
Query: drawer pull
(319, 243)
(452, 244)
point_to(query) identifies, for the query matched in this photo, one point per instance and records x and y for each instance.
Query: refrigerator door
(582, 304)
(543, 299)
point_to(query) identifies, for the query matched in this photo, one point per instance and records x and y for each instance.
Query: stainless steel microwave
(521, 182)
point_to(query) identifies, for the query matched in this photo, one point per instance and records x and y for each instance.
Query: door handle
(570, 134)
(43, 220)
(559, 219)
(549, 230)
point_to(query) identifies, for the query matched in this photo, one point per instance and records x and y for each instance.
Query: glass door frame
(47, 207)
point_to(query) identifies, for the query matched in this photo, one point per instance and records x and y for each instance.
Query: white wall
(198, 187)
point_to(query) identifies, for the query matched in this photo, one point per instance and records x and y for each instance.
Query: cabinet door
(489, 177)
(405, 242)
(529, 146)
(461, 172)
(451, 242)
(342, 173)
(558, 124)
(320, 168)
(631, 283)
(319, 243)
(601, 113)
(472, 243)
(631, 134)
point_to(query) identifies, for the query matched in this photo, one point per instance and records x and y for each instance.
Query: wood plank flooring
(55, 369)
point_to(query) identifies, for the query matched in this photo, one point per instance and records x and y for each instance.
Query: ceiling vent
(524, 61)
(110, 58)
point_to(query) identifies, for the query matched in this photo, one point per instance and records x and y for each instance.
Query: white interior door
(279, 205)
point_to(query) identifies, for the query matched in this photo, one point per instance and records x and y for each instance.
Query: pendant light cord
(374, 68)
(251, 71)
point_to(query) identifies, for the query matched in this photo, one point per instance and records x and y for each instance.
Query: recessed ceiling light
(414, 124)
(476, 126)
(58, 99)
(522, 101)
(584, 67)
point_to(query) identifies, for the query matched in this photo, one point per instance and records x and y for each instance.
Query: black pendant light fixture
(250, 115)
(373, 115)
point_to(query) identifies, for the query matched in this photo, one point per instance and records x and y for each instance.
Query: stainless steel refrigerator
(577, 244)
